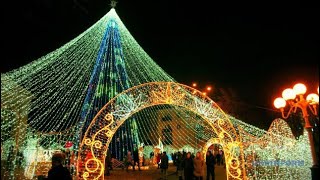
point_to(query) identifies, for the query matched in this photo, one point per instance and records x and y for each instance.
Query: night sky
(257, 50)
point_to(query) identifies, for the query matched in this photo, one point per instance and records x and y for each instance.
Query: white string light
(42, 102)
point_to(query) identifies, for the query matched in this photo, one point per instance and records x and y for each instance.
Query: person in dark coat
(136, 159)
(210, 161)
(179, 165)
(57, 171)
(129, 161)
(164, 165)
(188, 167)
(108, 165)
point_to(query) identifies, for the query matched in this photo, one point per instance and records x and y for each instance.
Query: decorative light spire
(113, 3)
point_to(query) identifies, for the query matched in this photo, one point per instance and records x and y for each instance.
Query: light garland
(105, 124)
(51, 100)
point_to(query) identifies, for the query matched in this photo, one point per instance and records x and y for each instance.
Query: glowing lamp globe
(279, 103)
(313, 98)
(299, 89)
(288, 94)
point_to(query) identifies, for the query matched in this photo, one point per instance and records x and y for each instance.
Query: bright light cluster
(106, 123)
(47, 102)
(244, 145)
(47, 97)
(278, 146)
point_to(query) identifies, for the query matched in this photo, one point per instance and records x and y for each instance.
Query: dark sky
(255, 49)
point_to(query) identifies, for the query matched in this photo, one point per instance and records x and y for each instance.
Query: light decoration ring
(95, 161)
(89, 170)
(85, 175)
(97, 144)
(87, 141)
(108, 117)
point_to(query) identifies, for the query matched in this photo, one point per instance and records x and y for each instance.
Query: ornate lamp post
(296, 100)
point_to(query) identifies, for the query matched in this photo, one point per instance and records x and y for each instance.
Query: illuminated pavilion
(102, 92)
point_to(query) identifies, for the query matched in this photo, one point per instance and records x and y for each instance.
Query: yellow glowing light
(87, 141)
(59, 77)
(161, 92)
(108, 117)
(85, 175)
(92, 168)
(288, 94)
(313, 98)
(299, 89)
(279, 103)
(253, 140)
(204, 93)
(194, 84)
(209, 88)
(97, 144)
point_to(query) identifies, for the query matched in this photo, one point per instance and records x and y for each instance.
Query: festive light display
(68, 86)
(279, 146)
(103, 81)
(108, 78)
(108, 120)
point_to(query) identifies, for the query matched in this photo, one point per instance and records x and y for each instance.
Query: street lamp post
(296, 100)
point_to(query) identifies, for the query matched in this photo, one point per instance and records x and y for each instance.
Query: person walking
(179, 165)
(108, 164)
(136, 159)
(218, 157)
(129, 160)
(151, 156)
(210, 161)
(164, 165)
(58, 171)
(158, 159)
(188, 167)
(198, 164)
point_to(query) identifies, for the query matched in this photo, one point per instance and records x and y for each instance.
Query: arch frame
(110, 117)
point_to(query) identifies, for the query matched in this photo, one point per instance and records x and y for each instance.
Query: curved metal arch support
(95, 144)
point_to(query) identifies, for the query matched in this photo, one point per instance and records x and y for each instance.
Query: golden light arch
(210, 142)
(98, 136)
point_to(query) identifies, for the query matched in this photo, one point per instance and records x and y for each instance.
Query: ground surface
(155, 174)
(121, 174)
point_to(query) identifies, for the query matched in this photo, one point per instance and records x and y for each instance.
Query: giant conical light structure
(58, 94)
(50, 101)
(102, 61)
(109, 77)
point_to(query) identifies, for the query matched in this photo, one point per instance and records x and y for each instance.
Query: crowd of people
(190, 166)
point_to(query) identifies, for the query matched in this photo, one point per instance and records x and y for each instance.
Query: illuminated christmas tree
(109, 77)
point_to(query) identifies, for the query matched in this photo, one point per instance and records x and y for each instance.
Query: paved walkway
(150, 174)
(155, 174)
